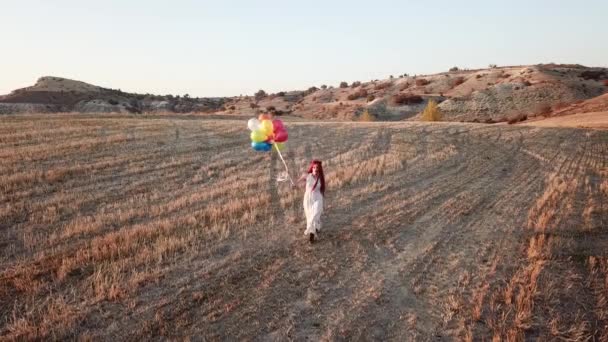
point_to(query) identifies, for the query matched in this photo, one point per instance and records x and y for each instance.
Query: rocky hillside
(485, 95)
(55, 94)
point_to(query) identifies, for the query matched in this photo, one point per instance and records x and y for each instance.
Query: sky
(228, 48)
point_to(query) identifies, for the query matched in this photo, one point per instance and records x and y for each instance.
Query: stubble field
(138, 228)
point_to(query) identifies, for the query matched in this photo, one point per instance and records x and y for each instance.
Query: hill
(56, 94)
(492, 94)
(486, 95)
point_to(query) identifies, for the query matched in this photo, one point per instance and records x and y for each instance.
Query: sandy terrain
(147, 228)
(597, 120)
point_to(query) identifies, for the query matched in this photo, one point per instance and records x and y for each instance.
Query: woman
(313, 198)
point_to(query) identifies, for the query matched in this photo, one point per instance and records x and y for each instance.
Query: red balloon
(280, 136)
(277, 125)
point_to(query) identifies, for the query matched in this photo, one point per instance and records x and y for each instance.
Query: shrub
(592, 74)
(431, 112)
(324, 87)
(421, 82)
(281, 94)
(370, 98)
(517, 118)
(458, 81)
(406, 99)
(233, 107)
(490, 121)
(343, 85)
(271, 109)
(527, 83)
(492, 66)
(312, 90)
(367, 116)
(544, 110)
(383, 85)
(478, 76)
(454, 68)
(260, 94)
(113, 102)
(355, 84)
(253, 105)
(359, 93)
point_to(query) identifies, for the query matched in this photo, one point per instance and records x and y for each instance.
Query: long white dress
(313, 205)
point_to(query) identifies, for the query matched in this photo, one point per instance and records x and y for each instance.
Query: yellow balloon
(266, 127)
(258, 135)
(279, 146)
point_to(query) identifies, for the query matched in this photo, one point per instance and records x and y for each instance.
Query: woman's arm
(301, 180)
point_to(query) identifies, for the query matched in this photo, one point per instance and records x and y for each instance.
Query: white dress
(313, 205)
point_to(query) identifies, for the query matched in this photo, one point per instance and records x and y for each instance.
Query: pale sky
(228, 48)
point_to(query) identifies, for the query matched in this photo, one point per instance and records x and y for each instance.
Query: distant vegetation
(431, 112)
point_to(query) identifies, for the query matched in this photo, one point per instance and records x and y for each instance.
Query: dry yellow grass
(131, 227)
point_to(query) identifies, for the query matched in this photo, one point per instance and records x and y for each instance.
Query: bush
(421, 82)
(458, 81)
(492, 66)
(355, 84)
(253, 105)
(517, 118)
(431, 112)
(367, 116)
(324, 87)
(271, 109)
(544, 110)
(478, 76)
(359, 93)
(383, 85)
(592, 74)
(527, 83)
(452, 69)
(233, 107)
(406, 99)
(281, 94)
(113, 102)
(260, 94)
(370, 98)
(343, 85)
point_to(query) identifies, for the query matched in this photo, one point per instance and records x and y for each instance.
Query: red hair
(321, 176)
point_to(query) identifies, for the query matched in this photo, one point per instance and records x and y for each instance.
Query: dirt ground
(154, 228)
(595, 120)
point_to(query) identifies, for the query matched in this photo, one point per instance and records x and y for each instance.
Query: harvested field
(139, 228)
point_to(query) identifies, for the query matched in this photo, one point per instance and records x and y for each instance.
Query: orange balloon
(265, 117)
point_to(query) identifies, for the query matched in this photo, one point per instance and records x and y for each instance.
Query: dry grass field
(140, 228)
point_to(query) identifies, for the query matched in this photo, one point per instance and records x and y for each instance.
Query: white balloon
(253, 124)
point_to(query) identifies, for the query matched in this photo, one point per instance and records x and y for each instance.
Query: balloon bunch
(266, 132)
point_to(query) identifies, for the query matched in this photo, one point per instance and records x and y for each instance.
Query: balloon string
(283, 160)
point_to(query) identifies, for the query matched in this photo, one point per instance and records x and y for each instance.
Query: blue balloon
(261, 146)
